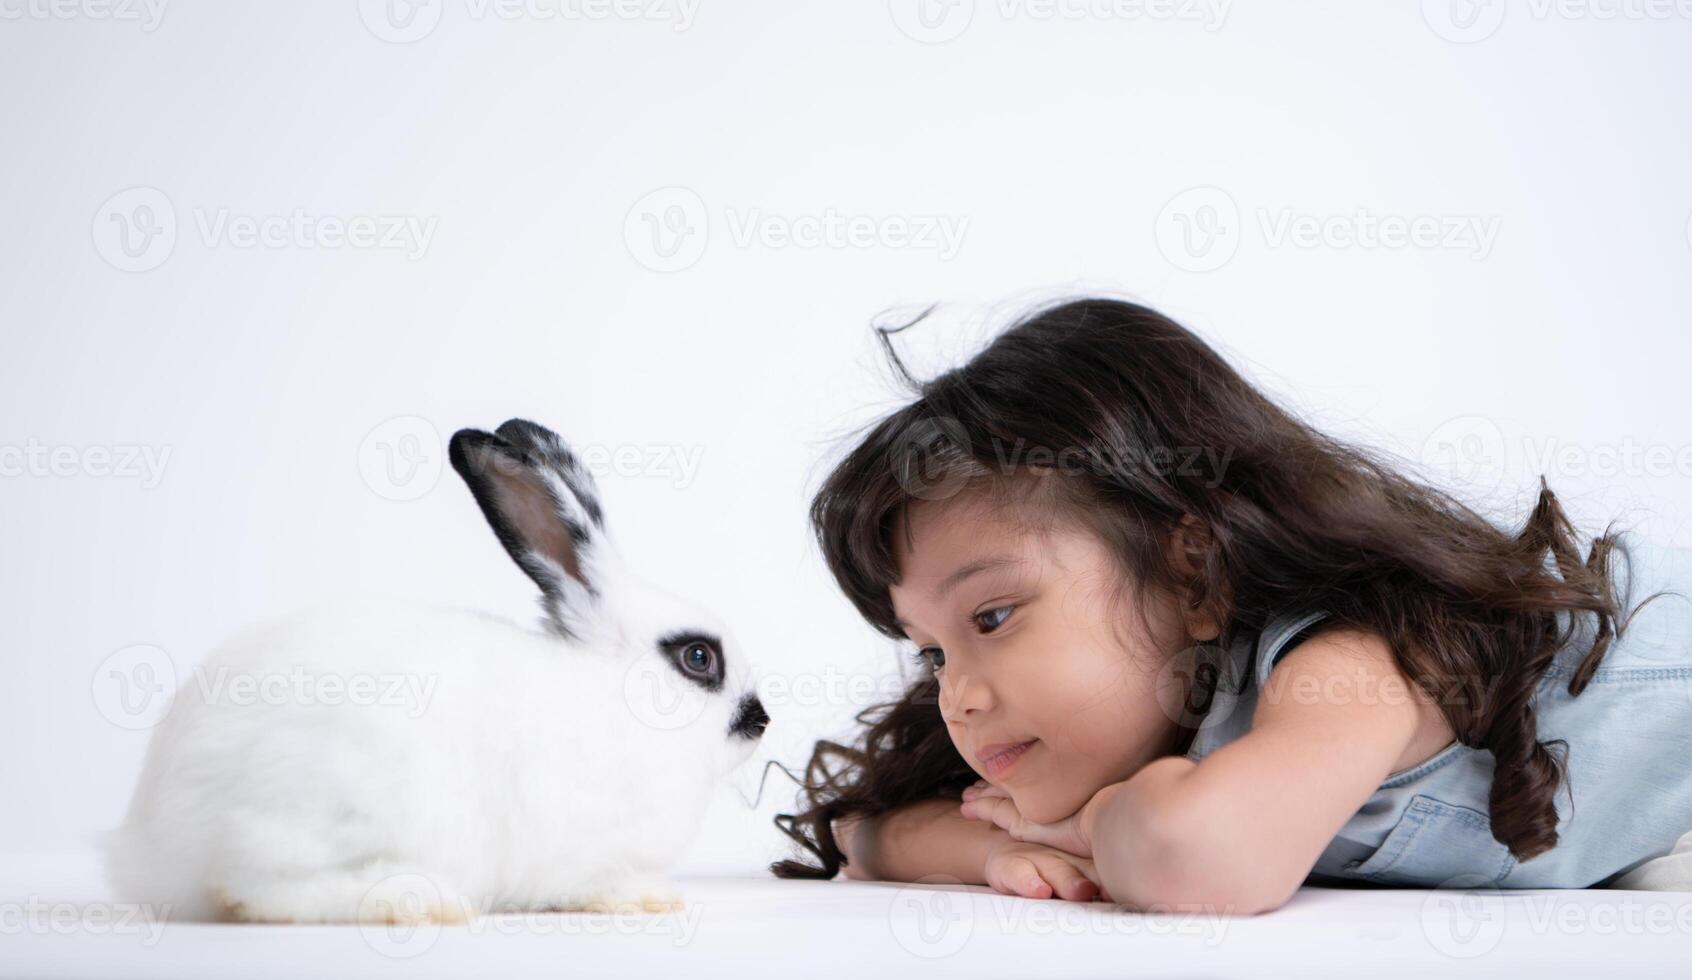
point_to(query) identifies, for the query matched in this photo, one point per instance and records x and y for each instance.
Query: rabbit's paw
(393, 899)
(633, 895)
(410, 898)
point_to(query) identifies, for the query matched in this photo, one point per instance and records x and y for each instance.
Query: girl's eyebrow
(975, 567)
(964, 571)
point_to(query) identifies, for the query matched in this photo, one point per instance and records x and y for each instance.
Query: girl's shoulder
(1279, 637)
(1351, 668)
(1230, 676)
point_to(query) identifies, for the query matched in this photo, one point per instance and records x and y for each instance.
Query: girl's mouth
(997, 759)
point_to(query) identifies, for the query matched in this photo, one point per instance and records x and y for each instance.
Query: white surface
(755, 926)
(1671, 872)
(270, 372)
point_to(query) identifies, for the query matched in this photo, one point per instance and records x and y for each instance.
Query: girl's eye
(992, 619)
(933, 658)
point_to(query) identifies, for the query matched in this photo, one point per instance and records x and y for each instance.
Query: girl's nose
(961, 694)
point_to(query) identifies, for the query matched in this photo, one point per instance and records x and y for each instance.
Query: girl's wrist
(1115, 810)
(1092, 817)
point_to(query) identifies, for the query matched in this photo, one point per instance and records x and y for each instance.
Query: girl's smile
(996, 759)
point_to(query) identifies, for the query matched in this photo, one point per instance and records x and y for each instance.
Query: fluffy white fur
(518, 768)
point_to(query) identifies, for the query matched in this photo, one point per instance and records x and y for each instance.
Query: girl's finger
(1025, 880)
(1031, 884)
(994, 810)
(1091, 869)
(1069, 883)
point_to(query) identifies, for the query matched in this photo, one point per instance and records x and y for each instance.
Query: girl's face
(1035, 651)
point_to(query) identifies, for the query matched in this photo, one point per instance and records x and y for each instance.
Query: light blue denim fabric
(1629, 737)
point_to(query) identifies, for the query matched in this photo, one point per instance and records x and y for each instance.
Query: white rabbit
(506, 767)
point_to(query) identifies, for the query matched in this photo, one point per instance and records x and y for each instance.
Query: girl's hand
(986, 802)
(1035, 871)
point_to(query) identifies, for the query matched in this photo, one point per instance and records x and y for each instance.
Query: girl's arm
(1238, 831)
(930, 838)
(914, 841)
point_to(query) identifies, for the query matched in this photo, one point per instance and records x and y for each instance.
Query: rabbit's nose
(751, 720)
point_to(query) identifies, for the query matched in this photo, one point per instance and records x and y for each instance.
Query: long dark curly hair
(1151, 424)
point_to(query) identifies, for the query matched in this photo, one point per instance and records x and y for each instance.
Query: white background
(1061, 145)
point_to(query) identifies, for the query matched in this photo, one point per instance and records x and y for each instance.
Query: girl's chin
(1048, 806)
(1038, 807)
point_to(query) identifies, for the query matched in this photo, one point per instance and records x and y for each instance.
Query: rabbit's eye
(697, 656)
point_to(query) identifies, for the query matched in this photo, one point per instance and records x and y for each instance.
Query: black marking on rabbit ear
(545, 449)
(538, 520)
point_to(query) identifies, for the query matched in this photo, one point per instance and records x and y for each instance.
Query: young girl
(1180, 649)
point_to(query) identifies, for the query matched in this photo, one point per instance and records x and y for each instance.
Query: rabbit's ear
(544, 507)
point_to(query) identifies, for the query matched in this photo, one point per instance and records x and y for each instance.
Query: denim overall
(1629, 757)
